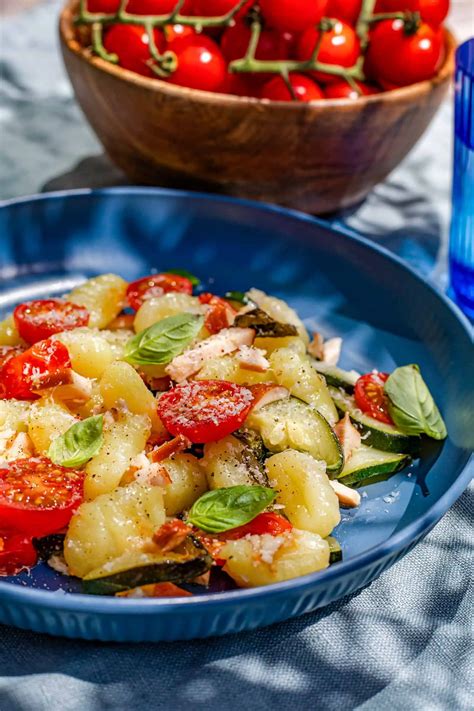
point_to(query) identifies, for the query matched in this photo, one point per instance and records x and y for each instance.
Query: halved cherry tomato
(206, 410)
(304, 89)
(130, 44)
(156, 285)
(21, 374)
(292, 15)
(38, 320)
(220, 313)
(16, 552)
(38, 497)
(7, 352)
(265, 523)
(339, 46)
(370, 397)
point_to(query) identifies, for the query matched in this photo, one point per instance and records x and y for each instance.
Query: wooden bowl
(317, 157)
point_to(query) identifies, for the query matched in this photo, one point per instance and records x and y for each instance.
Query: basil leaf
(411, 404)
(195, 281)
(80, 443)
(160, 343)
(223, 509)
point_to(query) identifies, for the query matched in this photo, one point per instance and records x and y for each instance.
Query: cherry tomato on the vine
(38, 320)
(219, 8)
(304, 89)
(398, 58)
(220, 313)
(434, 12)
(340, 46)
(205, 410)
(21, 374)
(156, 7)
(347, 10)
(156, 285)
(16, 553)
(176, 34)
(292, 15)
(130, 43)
(200, 65)
(38, 497)
(235, 42)
(241, 85)
(104, 6)
(343, 90)
(370, 396)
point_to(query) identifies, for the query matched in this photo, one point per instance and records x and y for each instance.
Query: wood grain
(316, 157)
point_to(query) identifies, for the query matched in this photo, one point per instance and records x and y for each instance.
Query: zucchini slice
(367, 463)
(292, 424)
(335, 550)
(377, 434)
(264, 325)
(136, 568)
(338, 378)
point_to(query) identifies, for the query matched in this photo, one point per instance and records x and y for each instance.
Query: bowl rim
(411, 92)
(395, 544)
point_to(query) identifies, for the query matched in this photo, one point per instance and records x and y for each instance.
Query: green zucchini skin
(367, 464)
(377, 434)
(264, 325)
(167, 568)
(335, 550)
(336, 377)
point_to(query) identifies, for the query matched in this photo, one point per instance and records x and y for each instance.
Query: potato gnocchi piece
(89, 351)
(304, 490)
(262, 560)
(228, 368)
(14, 415)
(47, 421)
(226, 465)
(9, 335)
(188, 483)
(103, 296)
(278, 310)
(124, 438)
(294, 371)
(272, 344)
(121, 386)
(112, 524)
(160, 307)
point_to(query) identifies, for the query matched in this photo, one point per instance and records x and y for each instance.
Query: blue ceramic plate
(342, 285)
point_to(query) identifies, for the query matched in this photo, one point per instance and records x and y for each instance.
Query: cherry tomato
(16, 553)
(38, 320)
(176, 34)
(343, 90)
(22, 373)
(106, 6)
(38, 497)
(370, 397)
(200, 65)
(130, 44)
(347, 10)
(220, 313)
(241, 85)
(7, 352)
(235, 41)
(399, 58)
(154, 7)
(205, 410)
(433, 12)
(304, 89)
(218, 8)
(292, 15)
(339, 46)
(265, 523)
(156, 285)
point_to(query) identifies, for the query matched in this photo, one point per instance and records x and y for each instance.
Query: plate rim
(395, 544)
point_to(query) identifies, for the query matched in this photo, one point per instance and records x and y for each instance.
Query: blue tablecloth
(404, 642)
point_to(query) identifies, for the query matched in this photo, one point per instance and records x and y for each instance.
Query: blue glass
(461, 252)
